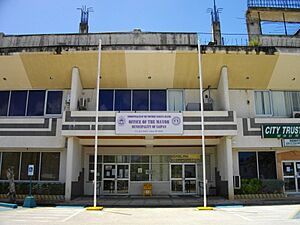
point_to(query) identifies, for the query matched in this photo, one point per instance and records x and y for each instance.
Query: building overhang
(248, 68)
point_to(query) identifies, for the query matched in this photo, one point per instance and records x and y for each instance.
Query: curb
(8, 205)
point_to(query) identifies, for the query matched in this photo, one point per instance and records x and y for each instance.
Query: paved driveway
(273, 215)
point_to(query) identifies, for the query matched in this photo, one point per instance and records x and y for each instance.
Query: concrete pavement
(258, 215)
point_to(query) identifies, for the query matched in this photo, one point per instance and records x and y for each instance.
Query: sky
(62, 16)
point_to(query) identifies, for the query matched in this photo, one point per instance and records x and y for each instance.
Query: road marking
(243, 217)
(74, 214)
(296, 215)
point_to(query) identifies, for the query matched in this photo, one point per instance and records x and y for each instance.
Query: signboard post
(30, 174)
(29, 201)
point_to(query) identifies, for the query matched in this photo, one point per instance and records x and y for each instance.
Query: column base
(29, 202)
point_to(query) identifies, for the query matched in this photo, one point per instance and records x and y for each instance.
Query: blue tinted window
(122, 100)
(248, 165)
(17, 103)
(106, 100)
(36, 103)
(54, 102)
(140, 100)
(158, 100)
(4, 95)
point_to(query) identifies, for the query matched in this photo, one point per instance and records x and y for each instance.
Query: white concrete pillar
(76, 88)
(225, 167)
(223, 90)
(69, 168)
(73, 164)
(229, 167)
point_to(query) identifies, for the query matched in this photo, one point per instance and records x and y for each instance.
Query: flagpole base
(205, 208)
(94, 208)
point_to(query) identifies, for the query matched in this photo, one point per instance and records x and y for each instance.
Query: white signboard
(149, 123)
(30, 170)
(291, 142)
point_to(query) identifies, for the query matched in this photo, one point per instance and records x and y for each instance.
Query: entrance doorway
(291, 176)
(183, 177)
(116, 178)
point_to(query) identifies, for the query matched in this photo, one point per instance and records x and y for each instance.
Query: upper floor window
(18, 103)
(54, 102)
(122, 100)
(175, 100)
(277, 103)
(106, 100)
(36, 103)
(133, 100)
(263, 103)
(140, 100)
(4, 97)
(158, 100)
(30, 103)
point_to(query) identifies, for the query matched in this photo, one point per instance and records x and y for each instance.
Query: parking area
(282, 214)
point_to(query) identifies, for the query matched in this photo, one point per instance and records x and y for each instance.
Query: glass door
(183, 178)
(122, 181)
(176, 178)
(291, 176)
(109, 176)
(115, 178)
(190, 178)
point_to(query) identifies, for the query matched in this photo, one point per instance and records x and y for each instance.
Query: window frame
(26, 102)
(59, 169)
(8, 102)
(35, 169)
(257, 163)
(18, 173)
(113, 99)
(132, 100)
(183, 99)
(45, 103)
(166, 97)
(271, 104)
(47, 115)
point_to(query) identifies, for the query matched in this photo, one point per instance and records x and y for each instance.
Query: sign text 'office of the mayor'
(281, 131)
(149, 123)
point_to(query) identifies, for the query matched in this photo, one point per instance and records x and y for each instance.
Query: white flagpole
(202, 123)
(96, 124)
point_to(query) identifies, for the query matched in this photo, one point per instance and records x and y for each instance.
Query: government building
(149, 124)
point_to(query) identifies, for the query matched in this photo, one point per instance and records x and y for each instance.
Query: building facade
(149, 113)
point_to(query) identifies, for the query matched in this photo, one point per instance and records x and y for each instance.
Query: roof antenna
(84, 22)
(216, 26)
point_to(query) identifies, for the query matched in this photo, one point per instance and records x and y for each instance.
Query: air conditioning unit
(237, 182)
(296, 114)
(82, 103)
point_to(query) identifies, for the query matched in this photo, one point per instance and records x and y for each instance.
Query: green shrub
(263, 186)
(272, 186)
(251, 186)
(37, 188)
(3, 188)
(254, 43)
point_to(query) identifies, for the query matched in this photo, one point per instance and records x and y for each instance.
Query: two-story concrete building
(149, 112)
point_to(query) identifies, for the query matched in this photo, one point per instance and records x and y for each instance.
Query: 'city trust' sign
(286, 131)
(149, 123)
